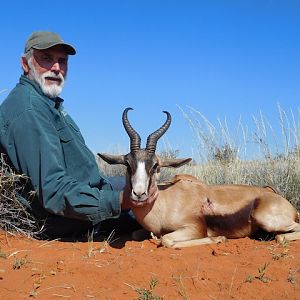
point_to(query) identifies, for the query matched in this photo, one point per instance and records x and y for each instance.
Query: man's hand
(125, 197)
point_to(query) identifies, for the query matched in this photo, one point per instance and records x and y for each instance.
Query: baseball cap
(46, 39)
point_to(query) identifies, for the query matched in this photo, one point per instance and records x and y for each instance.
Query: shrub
(13, 215)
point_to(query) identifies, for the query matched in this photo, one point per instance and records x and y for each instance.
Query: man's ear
(24, 64)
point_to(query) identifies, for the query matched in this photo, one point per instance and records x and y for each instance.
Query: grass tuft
(14, 217)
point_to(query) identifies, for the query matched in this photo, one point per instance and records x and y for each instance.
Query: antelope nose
(138, 195)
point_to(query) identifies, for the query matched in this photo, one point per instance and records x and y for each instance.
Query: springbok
(188, 212)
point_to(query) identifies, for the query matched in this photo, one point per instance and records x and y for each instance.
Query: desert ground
(125, 269)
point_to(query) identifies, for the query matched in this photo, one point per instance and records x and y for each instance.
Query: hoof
(168, 243)
(220, 239)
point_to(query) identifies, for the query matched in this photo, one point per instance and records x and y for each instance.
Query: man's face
(49, 69)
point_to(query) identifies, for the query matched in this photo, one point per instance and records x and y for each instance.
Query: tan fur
(189, 212)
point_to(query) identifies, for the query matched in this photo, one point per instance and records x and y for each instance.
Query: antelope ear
(173, 162)
(112, 159)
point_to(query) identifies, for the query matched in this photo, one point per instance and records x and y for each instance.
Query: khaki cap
(45, 39)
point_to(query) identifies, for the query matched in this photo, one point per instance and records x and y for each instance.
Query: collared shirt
(43, 142)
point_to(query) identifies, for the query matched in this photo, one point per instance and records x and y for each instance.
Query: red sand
(237, 269)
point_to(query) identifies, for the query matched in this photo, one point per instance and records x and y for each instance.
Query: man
(43, 142)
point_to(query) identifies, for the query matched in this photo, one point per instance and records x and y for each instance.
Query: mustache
(53, 76)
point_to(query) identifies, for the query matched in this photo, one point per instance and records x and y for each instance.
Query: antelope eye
(155, 167)
(127, 165)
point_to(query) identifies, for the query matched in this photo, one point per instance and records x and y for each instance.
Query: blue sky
(227, 59)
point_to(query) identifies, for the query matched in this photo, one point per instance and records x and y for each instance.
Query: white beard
(51, 90)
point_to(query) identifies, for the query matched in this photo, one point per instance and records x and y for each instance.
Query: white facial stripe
(140, 180)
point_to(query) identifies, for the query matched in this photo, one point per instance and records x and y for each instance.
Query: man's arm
(36, 150)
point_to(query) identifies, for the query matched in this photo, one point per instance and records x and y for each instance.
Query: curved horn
(135, 139)
(153, 137)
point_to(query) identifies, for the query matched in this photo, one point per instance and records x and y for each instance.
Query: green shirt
(43, 142)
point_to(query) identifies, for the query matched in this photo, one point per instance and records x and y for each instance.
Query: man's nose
(55, 67)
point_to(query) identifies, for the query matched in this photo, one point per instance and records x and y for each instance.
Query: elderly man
(43, 142)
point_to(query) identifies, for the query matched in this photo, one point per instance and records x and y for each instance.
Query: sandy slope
(237, 269)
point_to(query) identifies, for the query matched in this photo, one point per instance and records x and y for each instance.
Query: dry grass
(14, 217)
(224, 154)
(221, 158)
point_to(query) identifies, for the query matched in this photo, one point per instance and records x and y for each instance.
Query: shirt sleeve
(36, 148)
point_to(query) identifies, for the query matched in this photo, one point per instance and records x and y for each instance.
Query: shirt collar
(56, 102)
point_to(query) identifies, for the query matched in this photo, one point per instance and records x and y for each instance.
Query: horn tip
(128, 108)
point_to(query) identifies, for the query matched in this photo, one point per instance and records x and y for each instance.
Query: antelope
(188, 212)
